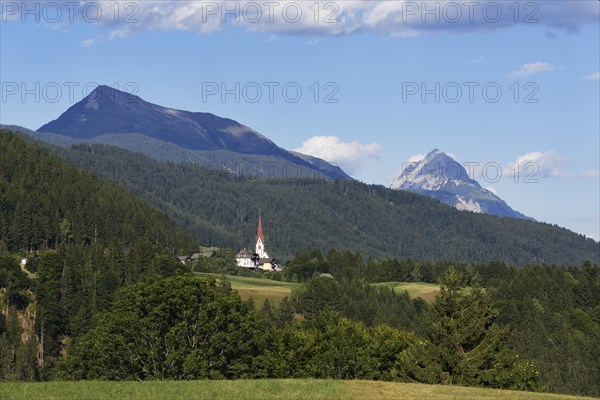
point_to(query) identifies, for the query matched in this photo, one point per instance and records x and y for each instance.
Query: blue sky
(370, 62)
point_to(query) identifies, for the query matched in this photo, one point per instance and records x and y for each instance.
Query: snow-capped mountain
(439, 176)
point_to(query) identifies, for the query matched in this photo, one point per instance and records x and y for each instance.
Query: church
(259, 259)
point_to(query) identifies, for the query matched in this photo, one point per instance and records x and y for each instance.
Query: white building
(259, 259)
(246, 259)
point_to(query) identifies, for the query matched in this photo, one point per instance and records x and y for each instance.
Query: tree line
(221, 209)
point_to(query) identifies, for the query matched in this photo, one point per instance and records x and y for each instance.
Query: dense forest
(549, 315)
(45, 202)
(102, 296)
(221, 209)
(84, 238)
(535, 328)
(552, 313)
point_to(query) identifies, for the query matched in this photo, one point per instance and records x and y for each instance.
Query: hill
(82, 238)
(45, 202)
(220, 208)
(265, 389)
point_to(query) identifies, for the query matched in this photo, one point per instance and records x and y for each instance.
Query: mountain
(114, 117)
(441, 177)
(221, 209)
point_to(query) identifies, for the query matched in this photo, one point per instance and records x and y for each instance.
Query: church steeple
(260, 240)
(259, 234)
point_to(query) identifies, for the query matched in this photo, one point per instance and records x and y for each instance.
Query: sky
(509, 87)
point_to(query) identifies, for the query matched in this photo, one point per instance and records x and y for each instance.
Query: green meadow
(262, 289)
(426, 291)
(267, 389)
(257, 288)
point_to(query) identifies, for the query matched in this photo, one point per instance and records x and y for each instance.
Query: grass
(267, 389)
(426, 291)
(257, 288)
(262, 289)
(369, 390)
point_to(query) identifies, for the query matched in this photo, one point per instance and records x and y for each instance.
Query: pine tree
(465, 345)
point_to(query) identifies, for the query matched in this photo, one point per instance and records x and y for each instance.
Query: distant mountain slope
(110, 116)
(441, 177)
(267, 167)
(222, 209)
(45, 201)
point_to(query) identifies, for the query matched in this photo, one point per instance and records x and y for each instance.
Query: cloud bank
(537, 165)
(401, 18)
(350, 156)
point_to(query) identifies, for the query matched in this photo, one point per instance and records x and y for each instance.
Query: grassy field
(284, 389)
(426, 291)
(258, 289)
(261, 289)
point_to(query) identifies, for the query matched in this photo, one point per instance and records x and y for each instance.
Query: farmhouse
(192, 259)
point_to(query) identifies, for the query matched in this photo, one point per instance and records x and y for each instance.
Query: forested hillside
(221, 209)
(83, 239)
(45, 202)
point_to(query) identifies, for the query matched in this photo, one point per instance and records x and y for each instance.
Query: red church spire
(260, 235)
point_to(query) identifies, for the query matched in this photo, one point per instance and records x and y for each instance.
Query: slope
(45, 201)
(219, 208)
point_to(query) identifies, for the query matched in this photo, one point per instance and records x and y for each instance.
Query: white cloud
(313, 42)
(476, 61)
(531, 69)
(536, 165)
(416, 157)
(402, 18)
(350, 156)
(593, 77)
(453, 155)
(491, 189)
(591, 173)
(88, 42)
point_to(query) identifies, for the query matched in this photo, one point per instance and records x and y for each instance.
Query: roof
(245, 253)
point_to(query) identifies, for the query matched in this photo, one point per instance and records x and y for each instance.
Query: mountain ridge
(221, 209)
(441, 177)
(107, 111)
